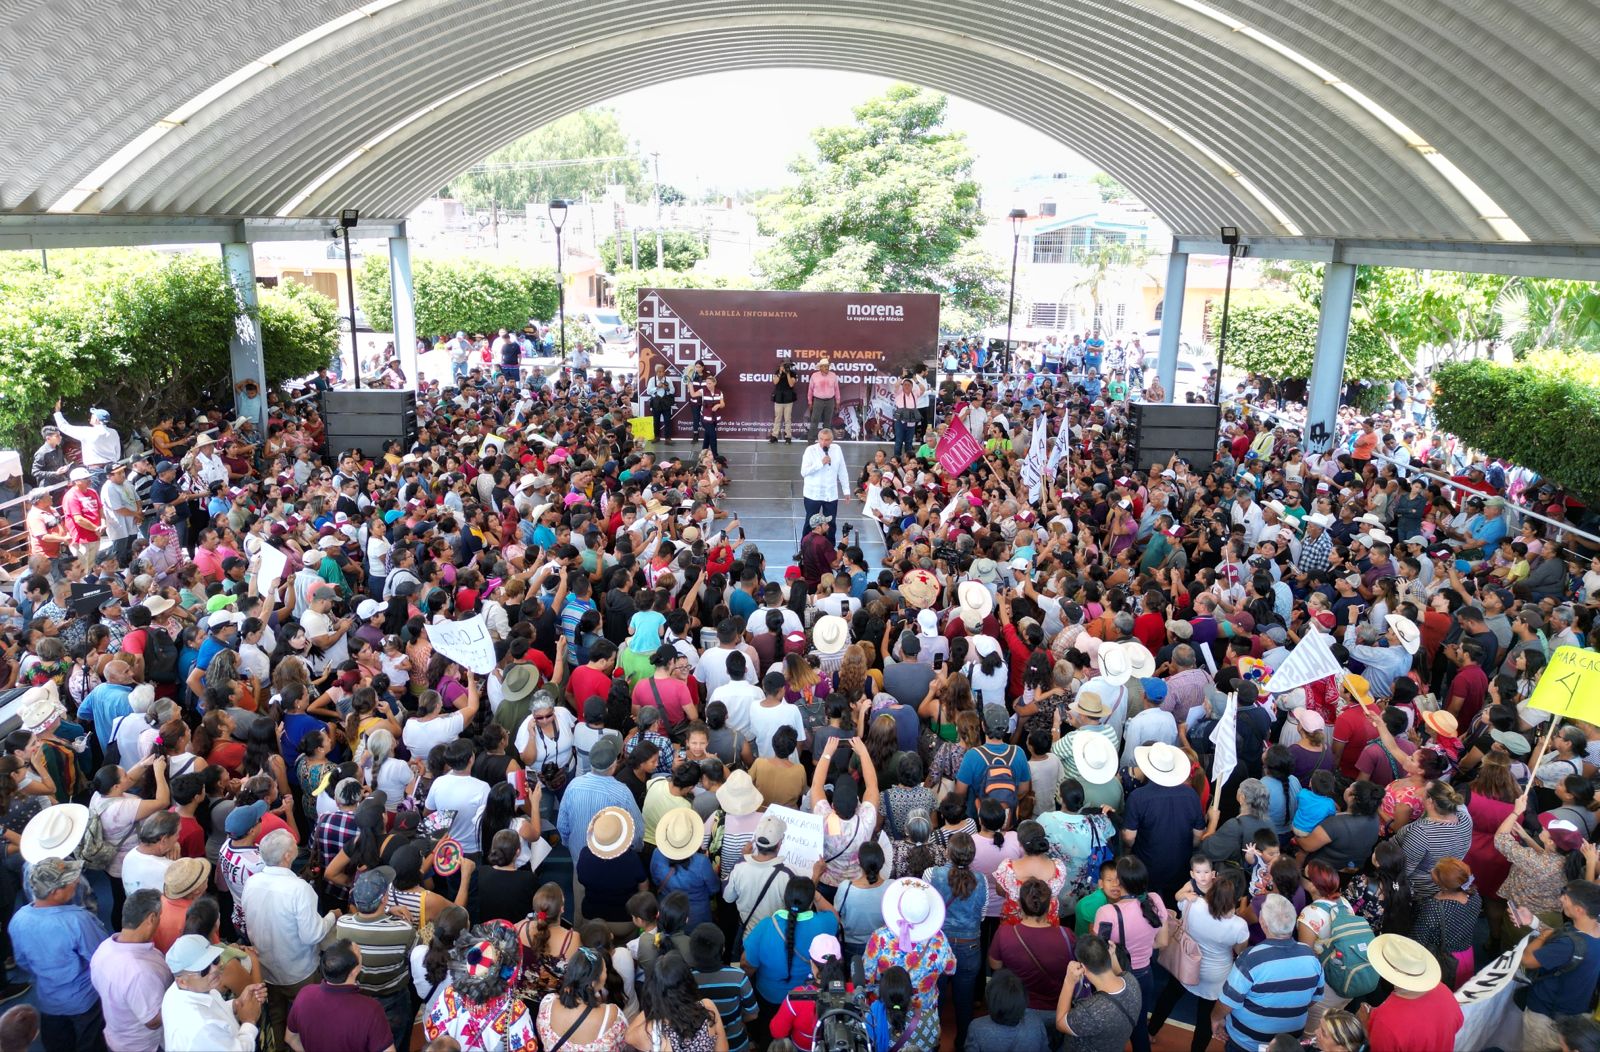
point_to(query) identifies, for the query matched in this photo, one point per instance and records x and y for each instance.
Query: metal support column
(244, 344)
(1172, 321)
(402, 298)
(1327, 372)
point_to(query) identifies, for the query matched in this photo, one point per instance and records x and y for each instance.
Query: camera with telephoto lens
(841, 1014)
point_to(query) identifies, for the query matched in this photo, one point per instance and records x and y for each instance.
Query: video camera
(841, 1014)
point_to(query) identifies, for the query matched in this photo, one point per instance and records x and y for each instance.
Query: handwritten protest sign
(957, 449)
(270, 572)
(491, 445)
(802, 838)
(1570, 685)
(467, 643)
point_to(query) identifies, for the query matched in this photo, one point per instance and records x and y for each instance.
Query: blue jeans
(1147, 1000)
(963, 985)
(830, 508)
(401, 1012)
(904, 437)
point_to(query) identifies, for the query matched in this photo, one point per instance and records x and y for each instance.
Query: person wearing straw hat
(608, 871)
(1421, 1012)
(912, 938)
(1163, 819)
(679, 865)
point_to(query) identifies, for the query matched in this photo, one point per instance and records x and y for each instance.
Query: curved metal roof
(1471, 120)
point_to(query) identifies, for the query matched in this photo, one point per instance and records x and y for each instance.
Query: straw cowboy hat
(1404, 962)
(1115, 666)
(1442, 723)
(973, 603)
(1095, 757)
(919, 588)
(739, 795)
(1406, 629)
(54, 832)
(679, 833)
(1163, 764)
(1089, 704)
(610, 832)
(913, 910)
(40, 708)
(1358, 687)
(831, 634)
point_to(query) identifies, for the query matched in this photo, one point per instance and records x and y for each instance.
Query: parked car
(608, 326)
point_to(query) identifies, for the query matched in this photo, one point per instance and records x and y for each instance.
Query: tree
(1111, 191)
(532, 168)
(885, 204)
(1448, 313)
(1100, 261)
(682, 248)
(1549, 313)
(140, 333)
(1281, 342)
(1542, 413)
(462, 295)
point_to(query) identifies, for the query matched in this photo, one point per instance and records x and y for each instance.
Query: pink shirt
(986, 858)
(1133, 931)
(824, 385)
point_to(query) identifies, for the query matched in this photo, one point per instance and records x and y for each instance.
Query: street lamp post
(1230, 238)
(558, 217)
(348, 218)
(1016, 216)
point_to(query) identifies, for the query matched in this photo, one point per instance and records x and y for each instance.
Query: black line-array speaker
(365, 420)
(1190, 431)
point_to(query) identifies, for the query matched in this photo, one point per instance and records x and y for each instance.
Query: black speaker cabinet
(365, 420)
(1190, 431)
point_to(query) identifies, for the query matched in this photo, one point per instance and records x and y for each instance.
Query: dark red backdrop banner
(868, 339)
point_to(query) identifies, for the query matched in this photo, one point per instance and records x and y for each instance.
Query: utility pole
(494, 219)
(633, 240)
(660, 259)
(617, 221)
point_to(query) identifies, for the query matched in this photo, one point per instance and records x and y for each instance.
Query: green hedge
(1543, 413)
(1281, 342)
(460, 295)
(138, 332)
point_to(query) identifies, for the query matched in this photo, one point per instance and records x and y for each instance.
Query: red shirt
(191, 837)
(1471, 685)
(1352, 728)
(1415, 1024)
(80, 503)
(1151, 630)
(586, 683)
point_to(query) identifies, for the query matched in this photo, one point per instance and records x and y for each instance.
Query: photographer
(783, 400)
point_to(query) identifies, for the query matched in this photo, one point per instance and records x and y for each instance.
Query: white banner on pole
(1225, 737)
(1310, 660)
(1033, 466)
(467, 643)
(1058, 451)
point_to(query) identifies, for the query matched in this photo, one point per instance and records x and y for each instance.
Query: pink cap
(1309, 720)
(823, 947)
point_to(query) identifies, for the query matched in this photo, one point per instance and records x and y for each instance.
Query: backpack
(998, 781)
(97, 851)
(1342, 951)
(161, 657)
(1100, 852)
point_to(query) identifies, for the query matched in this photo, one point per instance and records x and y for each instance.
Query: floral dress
(611, 1037)
(502, 1025)
(1005, 878)
(925, 962)
(1395, 794)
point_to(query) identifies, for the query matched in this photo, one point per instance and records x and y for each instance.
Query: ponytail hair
(990, 663)
(961, 851)
(871, 859)
(1134, 877)
(797, 899)
(992, 819)
(894, 992)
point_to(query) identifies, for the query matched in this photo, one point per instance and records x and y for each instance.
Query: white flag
(1310, 660)
(1225, 736)
(1058, 452)
(1033, 466)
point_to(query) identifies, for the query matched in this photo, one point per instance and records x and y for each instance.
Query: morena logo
(874, 310)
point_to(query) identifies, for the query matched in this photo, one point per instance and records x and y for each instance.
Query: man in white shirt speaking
(826, 480)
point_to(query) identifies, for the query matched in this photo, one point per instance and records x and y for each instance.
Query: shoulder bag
(1181, 955)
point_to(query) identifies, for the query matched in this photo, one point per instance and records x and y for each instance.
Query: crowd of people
(1027, 785)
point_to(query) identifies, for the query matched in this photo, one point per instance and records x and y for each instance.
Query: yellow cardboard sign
(643, 427)
(1570, 686)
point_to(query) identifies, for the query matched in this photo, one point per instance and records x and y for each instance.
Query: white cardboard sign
(467, 643)
(802, 838)
(270, 571)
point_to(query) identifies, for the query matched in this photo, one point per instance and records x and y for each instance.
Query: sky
(689, 122)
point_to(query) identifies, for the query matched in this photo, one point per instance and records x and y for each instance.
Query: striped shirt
(571, 614)
(385, 943)
(1269, 990)
(730, 990)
